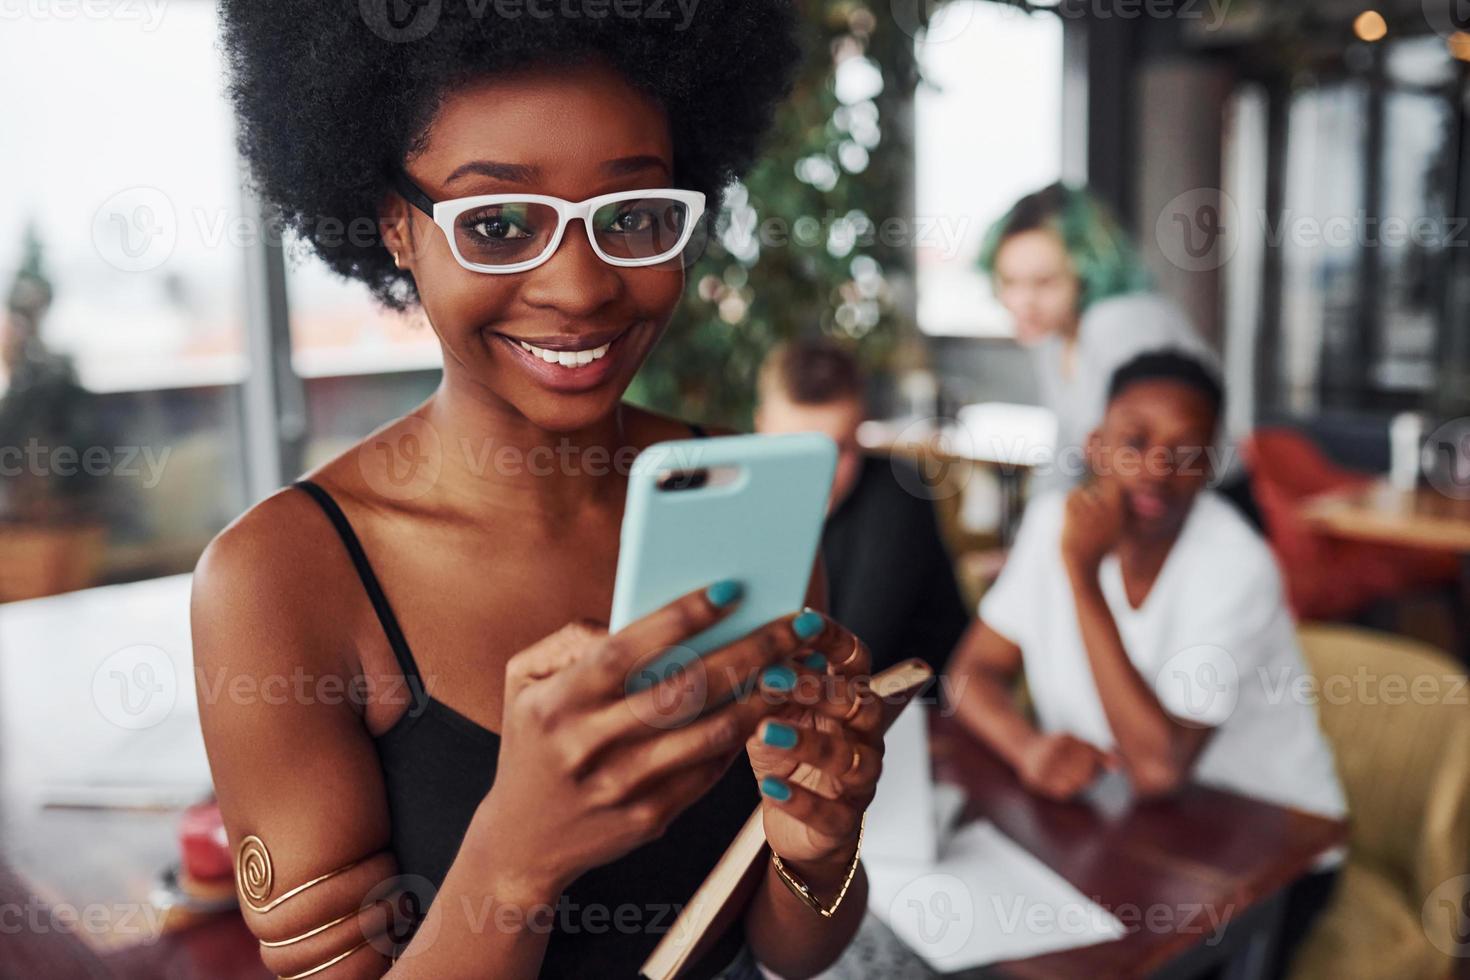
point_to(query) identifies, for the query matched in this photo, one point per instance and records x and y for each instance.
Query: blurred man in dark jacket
(890, 579)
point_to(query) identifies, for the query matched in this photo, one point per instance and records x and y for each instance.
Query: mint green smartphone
(748, 508)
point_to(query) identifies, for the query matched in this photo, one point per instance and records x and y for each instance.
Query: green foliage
(777, 266)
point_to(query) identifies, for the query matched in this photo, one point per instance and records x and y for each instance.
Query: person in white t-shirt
(1151, 624)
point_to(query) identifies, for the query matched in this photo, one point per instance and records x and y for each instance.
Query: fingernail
(817, 661)
(775, 789)
(778, 678)
(807, 625)
(723, 592)
(780, 735)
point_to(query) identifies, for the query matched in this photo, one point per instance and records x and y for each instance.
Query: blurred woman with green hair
(1083, 306)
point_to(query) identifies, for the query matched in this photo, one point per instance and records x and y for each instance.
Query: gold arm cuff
(255, 875)
(320, 967)
(799, 888)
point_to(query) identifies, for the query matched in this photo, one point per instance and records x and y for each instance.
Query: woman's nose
(574, 281)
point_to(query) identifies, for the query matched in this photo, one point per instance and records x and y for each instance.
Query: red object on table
(202, 843)
(1327, 578)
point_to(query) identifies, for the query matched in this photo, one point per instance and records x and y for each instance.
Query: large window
(1318, 253)
(1417, 189)
(359, 364)
(987, 131)
(121, 419)
(1369, 249)
(162, 381)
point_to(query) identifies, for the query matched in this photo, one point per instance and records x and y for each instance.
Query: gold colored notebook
(726, 891)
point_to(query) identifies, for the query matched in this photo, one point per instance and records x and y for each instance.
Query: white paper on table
(910, 815)
(985, 900)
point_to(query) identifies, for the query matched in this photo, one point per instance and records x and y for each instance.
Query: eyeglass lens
(517, 231)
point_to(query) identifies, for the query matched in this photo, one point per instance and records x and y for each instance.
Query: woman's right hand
(589, 769)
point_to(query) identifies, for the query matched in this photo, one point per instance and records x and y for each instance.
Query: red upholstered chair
(1327, 578)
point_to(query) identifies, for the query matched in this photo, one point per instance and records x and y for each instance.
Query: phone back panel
(758, 521)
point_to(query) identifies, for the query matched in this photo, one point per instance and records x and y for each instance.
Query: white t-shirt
(1213, 639)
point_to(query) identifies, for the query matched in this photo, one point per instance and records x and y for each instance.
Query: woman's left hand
(817, 759)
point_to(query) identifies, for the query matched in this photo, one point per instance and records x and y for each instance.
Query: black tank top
(437, 767)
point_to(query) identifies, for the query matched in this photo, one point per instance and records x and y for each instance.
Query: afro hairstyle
(330, 95)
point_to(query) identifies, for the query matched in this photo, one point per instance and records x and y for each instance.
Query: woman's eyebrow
(519, 173)
(524, 173)
(623, 166)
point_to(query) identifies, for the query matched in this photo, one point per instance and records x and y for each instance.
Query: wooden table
(61, 659)
(1376, 512)
(220, 947)
(1202, 849)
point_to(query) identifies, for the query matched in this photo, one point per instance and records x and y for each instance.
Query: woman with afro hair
(421, 742)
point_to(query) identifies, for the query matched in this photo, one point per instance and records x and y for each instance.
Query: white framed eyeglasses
(504, 233)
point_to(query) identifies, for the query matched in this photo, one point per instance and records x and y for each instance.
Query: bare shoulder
(267, 585)
(284, 552)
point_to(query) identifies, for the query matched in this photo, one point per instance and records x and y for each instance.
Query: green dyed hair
(1105, 260)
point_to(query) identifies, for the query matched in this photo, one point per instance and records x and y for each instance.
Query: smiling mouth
(571, 364)
(567, 350)
(566, 358)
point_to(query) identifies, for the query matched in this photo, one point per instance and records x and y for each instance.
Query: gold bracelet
(331, 962)
(799, 888)
(319, 929)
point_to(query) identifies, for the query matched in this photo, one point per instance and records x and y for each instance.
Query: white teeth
(567, 358)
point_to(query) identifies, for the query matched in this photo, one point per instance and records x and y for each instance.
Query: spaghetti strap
(371, 585)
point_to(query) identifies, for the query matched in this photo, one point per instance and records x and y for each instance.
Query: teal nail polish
(723, 592)
(807, 625)
(780, 735)
(775, 789)
(779, 678)
(817, 661)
